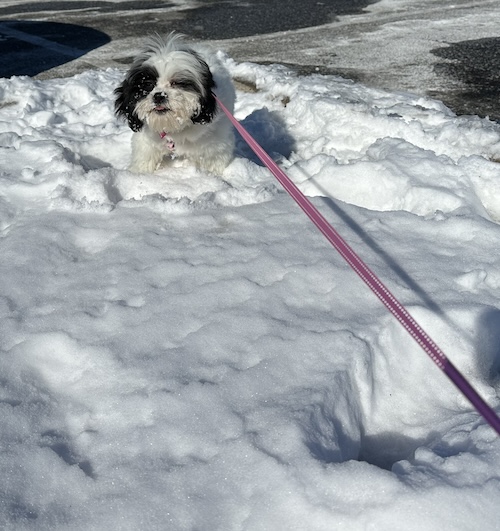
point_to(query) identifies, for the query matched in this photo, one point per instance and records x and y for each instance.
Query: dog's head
(168, 88)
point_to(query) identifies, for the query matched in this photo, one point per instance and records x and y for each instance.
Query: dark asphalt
(213, 19)
(84, 25)
(38, 36)
(475, 65)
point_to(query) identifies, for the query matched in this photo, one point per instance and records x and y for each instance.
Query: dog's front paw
(215, 158)
(215, 166)
(149, 166)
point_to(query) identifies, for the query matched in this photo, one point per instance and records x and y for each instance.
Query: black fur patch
(140, 81)
(208, 105)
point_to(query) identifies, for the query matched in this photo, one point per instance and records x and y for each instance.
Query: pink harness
(169, 142)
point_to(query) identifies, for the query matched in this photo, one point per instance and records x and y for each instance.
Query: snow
(184, 351)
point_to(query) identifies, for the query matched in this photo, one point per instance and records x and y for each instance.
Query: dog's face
(168, 90)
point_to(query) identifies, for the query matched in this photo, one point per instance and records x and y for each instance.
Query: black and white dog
(168, 100)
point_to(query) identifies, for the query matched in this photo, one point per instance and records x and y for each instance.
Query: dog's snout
(159, 97)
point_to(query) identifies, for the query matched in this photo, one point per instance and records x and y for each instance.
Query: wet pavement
(81, 25)
(205, 19)
(449, 49)
(475, 65)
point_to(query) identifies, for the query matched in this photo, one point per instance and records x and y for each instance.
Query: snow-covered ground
(186, 352)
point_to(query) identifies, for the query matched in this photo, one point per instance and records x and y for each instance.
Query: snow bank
(183, 351)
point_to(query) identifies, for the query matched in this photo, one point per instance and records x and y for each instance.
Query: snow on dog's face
(168, 88)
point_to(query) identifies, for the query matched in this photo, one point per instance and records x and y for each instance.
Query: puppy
(167, 97)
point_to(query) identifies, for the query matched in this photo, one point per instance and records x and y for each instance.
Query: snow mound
(184, 351)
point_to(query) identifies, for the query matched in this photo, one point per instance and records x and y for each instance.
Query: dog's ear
(124, 107)
(207, 111)
(140, 81)
(208, 105)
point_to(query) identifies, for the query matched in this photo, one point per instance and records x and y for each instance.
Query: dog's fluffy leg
(147, 152)
(212, 149)
(215, 159)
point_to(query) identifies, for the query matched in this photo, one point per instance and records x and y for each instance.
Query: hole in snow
(333, 441)
(335, 436)
(386, 449)
(57, 443)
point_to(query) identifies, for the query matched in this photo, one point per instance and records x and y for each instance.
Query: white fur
(209, 145)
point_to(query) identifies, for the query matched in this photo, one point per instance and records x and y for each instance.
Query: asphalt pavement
(38, 36)
(448, 49)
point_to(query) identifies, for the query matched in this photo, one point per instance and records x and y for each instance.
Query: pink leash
(375, 284)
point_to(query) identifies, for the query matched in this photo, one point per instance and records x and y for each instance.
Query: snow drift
(183, 351)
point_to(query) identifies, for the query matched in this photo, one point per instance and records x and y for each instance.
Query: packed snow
(185, 351)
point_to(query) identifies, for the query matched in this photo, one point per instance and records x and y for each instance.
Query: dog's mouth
(160, 109)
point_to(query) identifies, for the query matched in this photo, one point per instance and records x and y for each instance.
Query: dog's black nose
(159, 98)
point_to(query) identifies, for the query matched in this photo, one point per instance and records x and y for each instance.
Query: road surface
(447, 49)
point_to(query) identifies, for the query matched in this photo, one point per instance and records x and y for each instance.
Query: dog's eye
(181, 84)
(145, 84)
